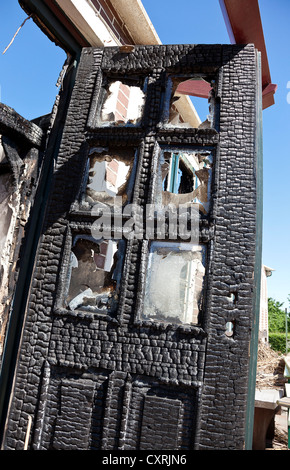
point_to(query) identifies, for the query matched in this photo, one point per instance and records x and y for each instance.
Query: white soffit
(83, 15)
(137, 21)
(87, 20)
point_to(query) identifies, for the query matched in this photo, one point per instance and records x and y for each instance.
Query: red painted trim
(198, 88)
(243, 21)
(227, 22)
(270, 89)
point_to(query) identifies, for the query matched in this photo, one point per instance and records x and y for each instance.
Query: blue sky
(29, 71)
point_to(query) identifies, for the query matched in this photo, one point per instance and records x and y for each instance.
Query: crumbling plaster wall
(92, 381)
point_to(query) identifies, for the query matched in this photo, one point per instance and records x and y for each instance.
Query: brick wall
(112, 19)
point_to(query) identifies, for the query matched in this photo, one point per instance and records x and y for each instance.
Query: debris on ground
(270, 368)
(280, 441)
(270, 375)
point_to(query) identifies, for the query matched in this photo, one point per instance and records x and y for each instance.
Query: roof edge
(244, 25)
(137, 21)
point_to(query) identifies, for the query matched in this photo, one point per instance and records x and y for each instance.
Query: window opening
(189, 102)
(185, 177)
(110, 173)
(123, 104)
(95, 274)
(174, 283)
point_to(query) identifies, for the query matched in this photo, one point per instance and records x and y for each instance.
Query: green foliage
(277, 342)
(276, 316)
(277, 325)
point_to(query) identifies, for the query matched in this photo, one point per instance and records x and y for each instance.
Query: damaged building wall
(109, 360)
(21, 146)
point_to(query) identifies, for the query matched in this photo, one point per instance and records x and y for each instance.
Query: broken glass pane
(95, 273)
(184, 177)
(123, 104)
(174, 283)
(111, 173)
(180, 102)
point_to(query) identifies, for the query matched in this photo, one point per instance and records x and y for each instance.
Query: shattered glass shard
(94, 274)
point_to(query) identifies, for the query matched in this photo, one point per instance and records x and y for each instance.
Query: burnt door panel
(73, 423)
(130, 322)
(160, 424)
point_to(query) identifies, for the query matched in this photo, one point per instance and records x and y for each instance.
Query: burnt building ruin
(22, 145)
(142, 342)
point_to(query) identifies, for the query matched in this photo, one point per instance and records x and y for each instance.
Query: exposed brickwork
(112, 19)
(122, 102)
(112, 375)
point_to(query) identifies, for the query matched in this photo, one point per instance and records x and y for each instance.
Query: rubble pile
(270, 368)
(270, 375)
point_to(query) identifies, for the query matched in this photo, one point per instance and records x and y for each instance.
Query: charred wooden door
(125, 343)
